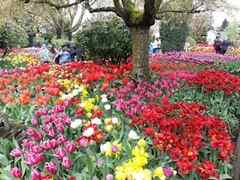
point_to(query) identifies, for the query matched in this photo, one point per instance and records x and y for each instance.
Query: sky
(219, 16)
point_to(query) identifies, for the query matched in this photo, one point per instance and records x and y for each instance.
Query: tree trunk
(69, 35)
(59, 33)
(140, 40)
(31, 37)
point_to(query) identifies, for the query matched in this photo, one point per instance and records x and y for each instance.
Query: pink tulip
(109, 177)
(62, 139)
(60, 153)
(58, 109)
(51, 167)
(36, 149)
(70, 147)
(16, 153)
(34, 159)
(83, 142)
(16, 172)
(27, 143)
(47, 120)
(34, 134)
(51, 132)
(46, 145)
(34, 122)
(36, 175)
(49, 144)
(66, 120)
(115, 149)
(41, 112)
(60, 127)
(67, 163)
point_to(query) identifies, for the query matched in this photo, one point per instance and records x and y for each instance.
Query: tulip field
(86, 121)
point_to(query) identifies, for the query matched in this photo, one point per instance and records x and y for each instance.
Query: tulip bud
(16, 153)
(51, 167)
(36, 175)
(83, 142)
(109, 177)
(16, 172)
(67, 163)
(109, 128)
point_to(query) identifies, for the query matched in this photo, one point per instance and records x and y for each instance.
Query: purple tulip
(168, 171)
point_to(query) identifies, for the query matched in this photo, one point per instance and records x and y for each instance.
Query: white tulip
(105, 147)
(76, 124)
(81, 105)
(88, 132)
(103, 96)
(138, 175)
(115, 120)
(133, 135)
(96, 121)
(104, 100)
(107, 107)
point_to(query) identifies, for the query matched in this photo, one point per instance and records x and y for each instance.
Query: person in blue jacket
(63, 57)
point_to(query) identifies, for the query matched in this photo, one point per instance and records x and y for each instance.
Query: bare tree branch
(185, 11)
(55, 5)
(157, 4)
(149, 10)
(195, 10)
(101, 9)
(118, 6)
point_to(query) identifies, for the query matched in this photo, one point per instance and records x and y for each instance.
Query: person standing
(224, 47)
(65, 56)
(45, 55)
(217, 45)
(156, 45)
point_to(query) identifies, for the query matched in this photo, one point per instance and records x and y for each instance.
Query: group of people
(68, 53)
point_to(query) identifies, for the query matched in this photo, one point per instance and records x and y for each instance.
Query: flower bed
(90, 121)
(195, 57)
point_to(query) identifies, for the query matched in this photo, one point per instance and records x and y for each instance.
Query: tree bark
(59, 33)
(69, 35)
(140, 40)
(31, 37)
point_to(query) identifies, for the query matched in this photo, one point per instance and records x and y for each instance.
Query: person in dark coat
(217, 45)
(224, 47)
(76, 53)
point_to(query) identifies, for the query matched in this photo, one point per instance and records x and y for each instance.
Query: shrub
(173, 35)
(232, 67)
(105, 39)
(12, 35)
(59, 42)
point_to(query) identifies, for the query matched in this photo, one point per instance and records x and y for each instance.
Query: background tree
(138, 15)
(224, 25)
(232, 32)
(200, 24)
(174, 27)
(63, 21)
(14, 12)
